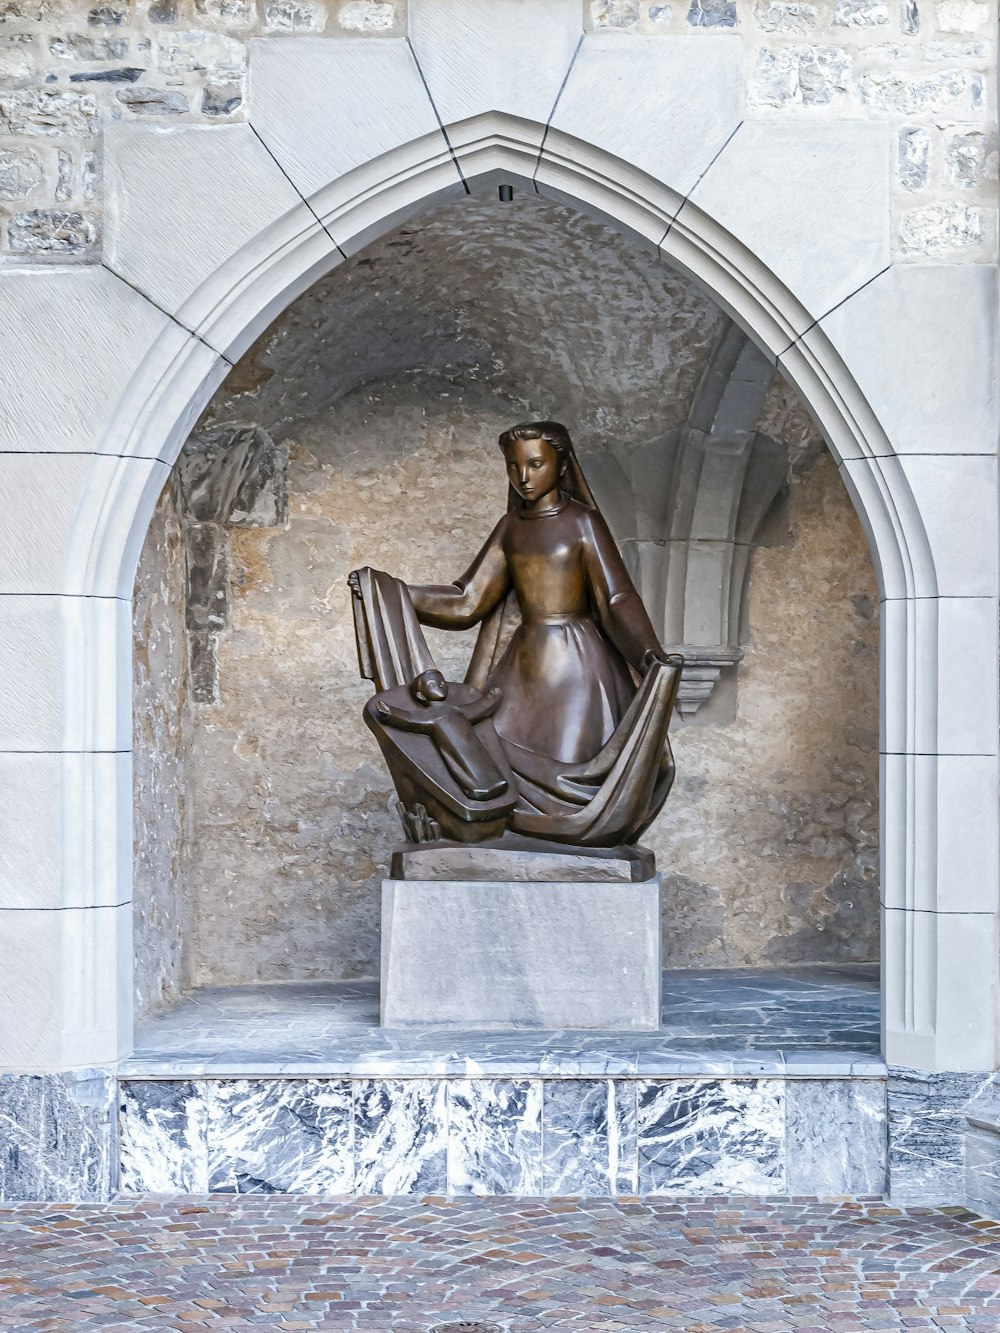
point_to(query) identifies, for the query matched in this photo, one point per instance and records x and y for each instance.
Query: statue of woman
(564, 676)
(581, 697)
(565, 679)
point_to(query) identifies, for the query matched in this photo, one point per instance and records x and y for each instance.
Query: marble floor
(808, 1022)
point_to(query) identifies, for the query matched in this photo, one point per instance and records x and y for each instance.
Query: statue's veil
(498, 625)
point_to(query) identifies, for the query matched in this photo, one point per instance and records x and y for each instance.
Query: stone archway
(183, 291)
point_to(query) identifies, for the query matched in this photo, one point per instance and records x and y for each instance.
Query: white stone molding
(354, 129)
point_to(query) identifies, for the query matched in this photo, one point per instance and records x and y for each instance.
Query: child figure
(447, 714)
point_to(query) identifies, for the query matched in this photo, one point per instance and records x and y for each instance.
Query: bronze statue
(569, 712)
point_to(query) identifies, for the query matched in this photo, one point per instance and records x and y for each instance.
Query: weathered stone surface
(914, 158)
(287, 16)
(785, 16)
(45, 231)
(163, 11)
(615, 13)
(143, 101)
(940, 228)
(805, 75)
(107, 16)
(124, 74)
(860, 13)
(367, 16)
(712, 14)
(230, 13)
(17, 65)
(909, 19)
(20, 172)
(221, 97)
(48, 111)
(965, 158)
(522, 955)
(962, 15)
(179, 53)
(914, 94)
(86, 46)
(161, 727)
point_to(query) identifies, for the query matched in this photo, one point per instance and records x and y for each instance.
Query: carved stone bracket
(226, 475)
(688, 507)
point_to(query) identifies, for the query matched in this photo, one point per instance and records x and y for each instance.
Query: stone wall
(67, 69)
(162, 739)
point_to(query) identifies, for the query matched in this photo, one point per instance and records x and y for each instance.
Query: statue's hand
(354, 580)
(661, 656)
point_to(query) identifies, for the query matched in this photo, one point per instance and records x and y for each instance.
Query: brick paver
(403, 1265)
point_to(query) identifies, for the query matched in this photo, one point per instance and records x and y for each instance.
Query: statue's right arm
(466, 601)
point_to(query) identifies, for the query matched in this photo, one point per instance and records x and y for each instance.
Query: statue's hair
(552, 432)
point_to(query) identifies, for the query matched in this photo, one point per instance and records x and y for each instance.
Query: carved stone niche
(226, 476)
(688, 506)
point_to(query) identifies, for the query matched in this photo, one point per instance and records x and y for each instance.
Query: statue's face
(533, 468)
(430, 686)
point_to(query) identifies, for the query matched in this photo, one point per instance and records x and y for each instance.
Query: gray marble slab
(805, 1022)
(589, 1137)
(982, 1172)
(58, 1136)
(163, 1146)
(711, 1136)
(494, 1136)
(835, 1137)
(400, 1136)
(290, 1136)
(927, 1128)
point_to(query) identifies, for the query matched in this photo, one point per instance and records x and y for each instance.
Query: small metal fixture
(467, 1325)
(506, 195)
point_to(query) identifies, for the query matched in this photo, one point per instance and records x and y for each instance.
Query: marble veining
(835, 1136)
(589, 1135)
(163, 1148)
(807, 1022)
(927, 1130)
(282, 1136)
(494, 1136)
(57, 1136)
(400, 1136)
(711, 1136)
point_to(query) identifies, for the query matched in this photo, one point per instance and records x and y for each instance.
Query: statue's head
(429, 687)
(536, 454)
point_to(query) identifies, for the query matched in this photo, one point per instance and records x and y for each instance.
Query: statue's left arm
(619, 607)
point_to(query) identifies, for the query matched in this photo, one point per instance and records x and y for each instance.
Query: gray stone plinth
(473, 954)
(57, 1136)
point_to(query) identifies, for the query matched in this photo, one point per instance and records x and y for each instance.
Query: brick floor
(403, 1265)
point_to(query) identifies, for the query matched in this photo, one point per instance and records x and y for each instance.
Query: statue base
(553, 954)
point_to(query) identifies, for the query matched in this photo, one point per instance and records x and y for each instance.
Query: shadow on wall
(264, 816)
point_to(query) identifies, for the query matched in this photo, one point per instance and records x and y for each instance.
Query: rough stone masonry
(927, 67)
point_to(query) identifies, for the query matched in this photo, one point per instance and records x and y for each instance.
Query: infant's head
(429, 687)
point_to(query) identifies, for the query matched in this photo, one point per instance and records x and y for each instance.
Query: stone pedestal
(520, 954)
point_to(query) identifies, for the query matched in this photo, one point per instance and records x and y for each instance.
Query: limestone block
(196, 215)
(357, 100)
(66, 389)
(41, 493)
(510, 56)
(32, 871)
(920, 342)
(507, 954)
(777, 187)
(947, 704)
(939, 989)
(956, 498)
(53, 650)
(953, 824)
(663, 106)
(60, 989)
